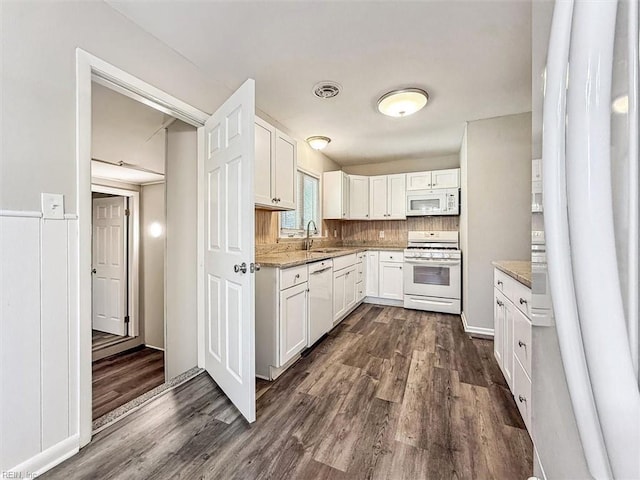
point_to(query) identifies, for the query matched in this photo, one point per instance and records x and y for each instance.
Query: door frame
(133, 260)
(90, 68)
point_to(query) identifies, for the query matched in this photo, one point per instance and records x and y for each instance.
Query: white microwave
(445, 201)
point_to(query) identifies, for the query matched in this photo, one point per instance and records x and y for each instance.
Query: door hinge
(126, 319)
(126, 212)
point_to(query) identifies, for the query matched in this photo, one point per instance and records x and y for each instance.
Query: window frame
(301, 233)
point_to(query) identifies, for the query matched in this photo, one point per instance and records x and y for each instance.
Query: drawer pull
(500, 304)
(500, 282)
(522, 301)
(522, 399)
(521, 344)
(297, 275)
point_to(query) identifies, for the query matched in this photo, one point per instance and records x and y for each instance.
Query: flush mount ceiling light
(401, 103)
(318, 142)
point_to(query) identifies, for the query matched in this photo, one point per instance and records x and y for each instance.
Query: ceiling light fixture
(401, 103)
(318, 142)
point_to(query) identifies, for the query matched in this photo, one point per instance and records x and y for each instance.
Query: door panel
(397, 197)
(228, 209)
(284, 176)
(378, 198)
(110, 265)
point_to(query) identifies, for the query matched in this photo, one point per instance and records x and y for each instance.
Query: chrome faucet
(309, 241)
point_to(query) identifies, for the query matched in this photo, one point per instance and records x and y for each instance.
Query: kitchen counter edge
(519, 270)
(272, 260)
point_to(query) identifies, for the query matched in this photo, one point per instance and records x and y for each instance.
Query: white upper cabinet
(358, 197)
(275, 168)
(387, 197)
(445, 178)
(335, 195)
(449, 178)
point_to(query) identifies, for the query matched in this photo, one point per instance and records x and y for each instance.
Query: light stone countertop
(519, 270)
(302, 257)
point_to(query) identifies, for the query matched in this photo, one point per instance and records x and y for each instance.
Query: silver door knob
(240, 268)
(254, 267)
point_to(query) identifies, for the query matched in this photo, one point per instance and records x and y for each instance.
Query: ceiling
(473, 57)
(124, 130)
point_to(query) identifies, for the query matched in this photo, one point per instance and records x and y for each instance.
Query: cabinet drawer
(293, 276)
(522, 340)
(521, 297)
(522, 393)
(502, 281)
(343, 262)
(391, 257)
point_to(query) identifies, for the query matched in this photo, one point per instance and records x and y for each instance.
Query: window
(294, 223)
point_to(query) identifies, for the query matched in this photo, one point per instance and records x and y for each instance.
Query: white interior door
(109, 283)
(229, 315)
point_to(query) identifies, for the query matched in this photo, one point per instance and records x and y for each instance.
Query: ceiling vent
(326, 89)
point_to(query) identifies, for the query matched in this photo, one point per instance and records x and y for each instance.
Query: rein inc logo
(6, 474)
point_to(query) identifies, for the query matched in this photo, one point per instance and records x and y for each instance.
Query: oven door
(432, 278)
(426, 202)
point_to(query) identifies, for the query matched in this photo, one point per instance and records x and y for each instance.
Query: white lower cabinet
(293, 321)
(344, 292)
(512, 339)
(391, 281)
(372, 280)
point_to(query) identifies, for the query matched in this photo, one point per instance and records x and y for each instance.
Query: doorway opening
(129, 156)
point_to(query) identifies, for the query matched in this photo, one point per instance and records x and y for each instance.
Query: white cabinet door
(498, 326)
(284, 172)
(339, 304)
(335, 195)
(350, 293)
(396, 197)
(445, 178)
(378, 198)
(391, 281)
(358, 197)
(293, 322)
(418, 181)
(371, 271)
(265, 149)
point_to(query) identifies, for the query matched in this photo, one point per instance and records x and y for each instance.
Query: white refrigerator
(586, 401)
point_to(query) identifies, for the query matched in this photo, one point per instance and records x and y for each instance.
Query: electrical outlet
(381, 234)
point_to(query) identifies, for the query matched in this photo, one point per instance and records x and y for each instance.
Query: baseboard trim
(476, 331)
(48, 459)
(155, 348)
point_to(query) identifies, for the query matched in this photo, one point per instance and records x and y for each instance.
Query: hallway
(391, 393)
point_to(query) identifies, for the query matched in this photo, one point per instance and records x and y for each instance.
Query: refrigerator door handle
(556, 226)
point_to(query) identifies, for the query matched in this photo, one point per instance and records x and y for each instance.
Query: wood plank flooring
(101, 340)
(120, 378)
(389, 394)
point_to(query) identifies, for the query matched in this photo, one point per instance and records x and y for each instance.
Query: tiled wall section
(349, 232)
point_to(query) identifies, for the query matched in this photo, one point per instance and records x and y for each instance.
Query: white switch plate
(381, 233)
(53, 206)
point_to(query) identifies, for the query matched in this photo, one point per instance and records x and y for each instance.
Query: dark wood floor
(120, 378)
(390, 394)
(101, 340)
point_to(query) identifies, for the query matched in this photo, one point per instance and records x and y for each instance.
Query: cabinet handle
(297, 275)
(500, 304)
(522, 301)
(500, 282)
(521, 344)
(274, 200)
(522, 399)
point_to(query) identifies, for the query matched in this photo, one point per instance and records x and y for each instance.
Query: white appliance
(590, 199)
(432, 272)
(445, 201)
(320, 300)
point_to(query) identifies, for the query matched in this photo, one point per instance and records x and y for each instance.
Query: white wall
(181, 270)
(38, 154)
(401, 166)
(152, 250)
(497, 218)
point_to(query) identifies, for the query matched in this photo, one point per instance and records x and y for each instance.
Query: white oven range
(432, 272)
